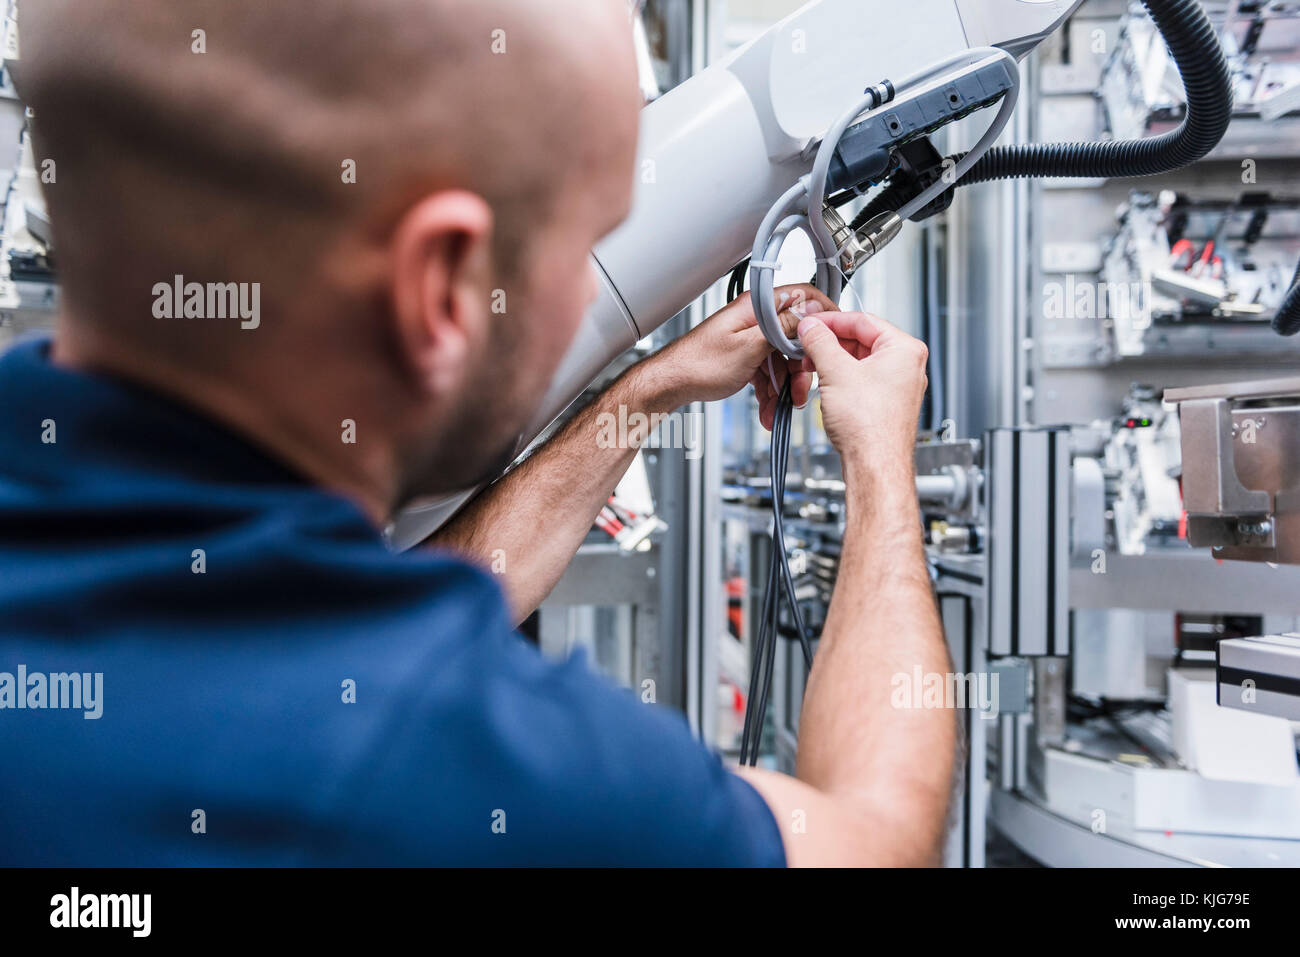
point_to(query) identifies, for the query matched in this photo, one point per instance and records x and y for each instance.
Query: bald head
(215, 133)
(381, 169)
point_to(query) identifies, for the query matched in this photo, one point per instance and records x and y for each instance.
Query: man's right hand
(875, 777)
(872, 379)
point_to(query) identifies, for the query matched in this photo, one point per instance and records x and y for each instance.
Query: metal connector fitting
(879, 232)
(857, 248)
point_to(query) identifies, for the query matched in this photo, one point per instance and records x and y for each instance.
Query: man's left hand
(721, 355)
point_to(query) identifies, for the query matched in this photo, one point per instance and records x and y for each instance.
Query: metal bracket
(1220, 510)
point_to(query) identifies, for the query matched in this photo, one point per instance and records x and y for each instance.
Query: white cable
(801, 206)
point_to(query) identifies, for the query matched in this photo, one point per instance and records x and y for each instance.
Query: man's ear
(442, 266)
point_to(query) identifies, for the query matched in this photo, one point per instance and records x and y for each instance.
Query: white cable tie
(835, 264)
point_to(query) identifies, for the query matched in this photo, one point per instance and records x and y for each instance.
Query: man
(190, 501)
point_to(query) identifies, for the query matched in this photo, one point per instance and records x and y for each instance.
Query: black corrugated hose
(1195, 48)
(1188, 33)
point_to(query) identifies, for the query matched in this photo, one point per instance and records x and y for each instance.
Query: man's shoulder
(321, 699)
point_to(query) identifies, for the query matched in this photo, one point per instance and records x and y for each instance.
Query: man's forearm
(528, 525)
(896, 762)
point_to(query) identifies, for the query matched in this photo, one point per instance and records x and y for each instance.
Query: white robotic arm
(719, 150)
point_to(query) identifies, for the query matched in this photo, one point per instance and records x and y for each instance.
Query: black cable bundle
(736, 281)
(779, 579)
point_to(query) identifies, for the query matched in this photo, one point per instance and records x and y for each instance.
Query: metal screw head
(1261, 529)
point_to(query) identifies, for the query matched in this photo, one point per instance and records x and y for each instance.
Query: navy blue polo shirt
(221, 664)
